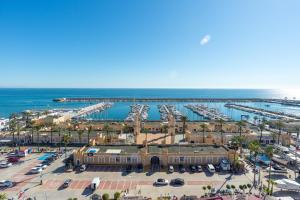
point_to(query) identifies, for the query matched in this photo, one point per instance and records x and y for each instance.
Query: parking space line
(126, 185)
(121, 185)
(114, 185)
(107, 185)
(102, 183)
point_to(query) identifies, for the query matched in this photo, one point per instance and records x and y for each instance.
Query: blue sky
(151, 44)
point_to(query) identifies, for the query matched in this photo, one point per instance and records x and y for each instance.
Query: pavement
(113, 179)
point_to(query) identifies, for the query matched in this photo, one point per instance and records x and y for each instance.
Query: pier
(208, 113)
(138, 110)
(263, 112)
(166, 110)
(81, 112)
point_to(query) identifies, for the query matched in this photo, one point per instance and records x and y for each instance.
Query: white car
(6, 183)
(41, 166)
(161, 182)
(5, 164)
(36, 170)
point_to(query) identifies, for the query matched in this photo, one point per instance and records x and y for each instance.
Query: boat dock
(138, 110)
(208, 113)
(91, 109)
(166, 110)
(263, 112)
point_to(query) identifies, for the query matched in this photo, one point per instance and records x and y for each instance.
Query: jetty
(263, 112)
(166, 110)
(206, 112)
(138, 110)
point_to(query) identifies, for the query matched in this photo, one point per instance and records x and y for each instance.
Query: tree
(279, 125)
(241, 124)
(107, 129)
(117, 195)
(261, 128)
(254, 147)
(183, 119)
(236, 142)
(12, 125)
(3, 196)
(66, 141)
(221, 123)
(105, 196)
(269, 152)
(80, 133)
(18, 129)
(90, 129)
(204, 128)
(255, 119)
(37, 128)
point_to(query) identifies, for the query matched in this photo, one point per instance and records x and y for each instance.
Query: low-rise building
(152, 155)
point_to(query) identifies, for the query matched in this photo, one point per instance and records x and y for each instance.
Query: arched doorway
(155, 163)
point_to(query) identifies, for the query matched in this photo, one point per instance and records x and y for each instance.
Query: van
(211, 168)
(95, 183)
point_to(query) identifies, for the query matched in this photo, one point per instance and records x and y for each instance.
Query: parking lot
(113, 178)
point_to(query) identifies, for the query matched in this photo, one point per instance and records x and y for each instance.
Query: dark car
(193, 168)
(82, 168)
(278, 167)
(129, 168)
(199, 168)
(67, 183)
(140, 168)
(177, 181)
(181, 169)
(218, 168)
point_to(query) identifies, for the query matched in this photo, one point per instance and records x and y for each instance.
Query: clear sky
(151, 44)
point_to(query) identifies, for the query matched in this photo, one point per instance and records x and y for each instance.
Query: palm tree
(107, 129)
(269, 152)
(12, 125)
(18, 129)
(279, 125)
(66, 141)
(255, 119)
(204, 128)
(90, 129)
(80, 133)
(221, 123)
(261, 128)
(37, 128)
(183, 119)
(254, 147)
(241, 124)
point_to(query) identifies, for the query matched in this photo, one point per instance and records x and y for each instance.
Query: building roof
(157, 149)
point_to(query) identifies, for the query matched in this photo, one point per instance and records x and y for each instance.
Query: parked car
(217, 168)
(181, 169)
(82, 168)
(177, 181)
(5, 164)
(193, 168)
(129, 168)
(213, 191)
(67, 183)
(161, 182)
(140, 167)
(13, 159)
(199, 168)
(41, 166)
(95, 183)
(211, 168)
(36, 170)
(170, 169)
(6, 183)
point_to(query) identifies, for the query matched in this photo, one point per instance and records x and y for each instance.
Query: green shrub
(117, 195)
(105, 196)
(232, 186)
(228, 186)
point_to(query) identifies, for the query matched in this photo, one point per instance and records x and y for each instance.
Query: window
(128, 159)
(117, 159)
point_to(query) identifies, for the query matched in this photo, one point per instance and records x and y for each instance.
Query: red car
(13, 159)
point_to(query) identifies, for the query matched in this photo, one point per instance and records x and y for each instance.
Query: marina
(166, 110)
(263, 112)
(138, 110)
(207, 113)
